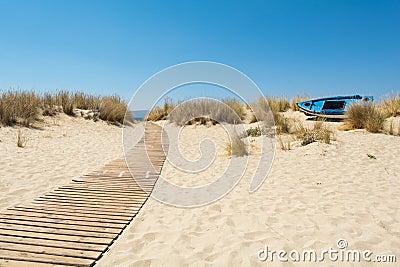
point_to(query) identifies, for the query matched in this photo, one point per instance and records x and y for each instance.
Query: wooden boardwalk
(76, 223)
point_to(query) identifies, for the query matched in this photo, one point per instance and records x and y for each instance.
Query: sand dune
(313, 196)
(63, 148)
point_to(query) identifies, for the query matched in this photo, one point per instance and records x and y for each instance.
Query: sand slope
(313, 196)
(63, 148)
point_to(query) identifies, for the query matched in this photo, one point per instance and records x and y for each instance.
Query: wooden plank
(101, 192)
(112, 183)
(89, 203)
(16, 263)
(43, 258)
(53, 243)
(107, 189)
(83, 203)
(96, 199)
(77, 207)
(63, 216)
(72, 205)
(86, 254)
(80, 210)
(41, 229)
(58, 237)
(109, 179)
(81, 213)
(62, 226)
(65, 221)
(93, 195)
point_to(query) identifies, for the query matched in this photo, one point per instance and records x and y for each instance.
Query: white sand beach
(314, 195)
(62, 148)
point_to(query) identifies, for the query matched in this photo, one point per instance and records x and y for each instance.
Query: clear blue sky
(319, 47)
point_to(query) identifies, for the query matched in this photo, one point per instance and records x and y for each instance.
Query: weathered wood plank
(53, 243)
(62, 226)
(86, 254)
(36, 214)
(80, 213)
(63, 221)
(41, 229)
(42, 258)
(16, 263)
(58, 237)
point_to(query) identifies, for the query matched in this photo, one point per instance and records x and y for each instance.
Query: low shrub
(365, 116)
(112, 109)
(319, 132)
(253, 132)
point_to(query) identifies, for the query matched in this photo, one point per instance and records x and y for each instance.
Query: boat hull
(331, 107)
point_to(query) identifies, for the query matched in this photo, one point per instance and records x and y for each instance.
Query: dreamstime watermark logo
(341, 253)
(225, 78)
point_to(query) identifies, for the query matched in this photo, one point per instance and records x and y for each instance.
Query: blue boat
(331, 107)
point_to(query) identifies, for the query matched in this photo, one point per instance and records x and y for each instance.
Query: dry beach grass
(24, 108)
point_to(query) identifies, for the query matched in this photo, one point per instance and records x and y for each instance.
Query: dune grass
(261, 111)
(263, 108)
(282, 103)
(278, 104)
(161, 112)
(24, 107)
(236, 106)
(296, 99)
(18, 107)
(365, 116)
(199, 111)
(391, 105)
(236, 147)
(285, 142)
(22, 139)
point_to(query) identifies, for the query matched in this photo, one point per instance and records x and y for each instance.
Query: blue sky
(318, 48)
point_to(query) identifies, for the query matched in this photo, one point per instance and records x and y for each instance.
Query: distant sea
(139, 114)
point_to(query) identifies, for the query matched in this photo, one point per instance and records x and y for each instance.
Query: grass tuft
(22, 139)
(365, 116)
(236, 147)
(319, 132)
(112, 109)
(284, 143)
(391, 105)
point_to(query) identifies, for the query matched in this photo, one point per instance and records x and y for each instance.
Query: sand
(314, 196)
(60, 149)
